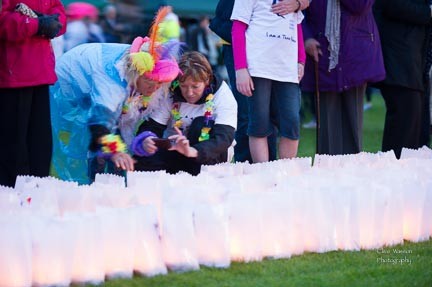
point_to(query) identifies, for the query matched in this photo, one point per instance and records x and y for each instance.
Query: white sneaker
(310, 125)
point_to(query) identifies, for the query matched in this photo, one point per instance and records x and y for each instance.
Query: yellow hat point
(143, 62)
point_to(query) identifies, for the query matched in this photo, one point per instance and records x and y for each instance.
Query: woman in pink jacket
(26, 71)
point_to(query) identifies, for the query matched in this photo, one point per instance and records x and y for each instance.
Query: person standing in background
(221, 24)
(26, 71)
(427, 124)
(403, 27)
(112, 29)
(198, 37)
(83, 25)
(342, 43)
(58, 46)
(170, 27)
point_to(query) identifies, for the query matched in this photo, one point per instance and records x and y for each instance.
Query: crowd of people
(101, 105)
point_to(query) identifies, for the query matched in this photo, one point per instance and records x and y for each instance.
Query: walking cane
(317, 107)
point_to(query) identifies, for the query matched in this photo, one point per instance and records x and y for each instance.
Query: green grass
(362, 268)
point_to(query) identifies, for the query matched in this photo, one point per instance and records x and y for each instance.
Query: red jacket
(27, 59)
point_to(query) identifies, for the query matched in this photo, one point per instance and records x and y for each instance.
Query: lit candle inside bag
(212, 235)
(148, 258)
(15, 251)
(178, 237)
(87, 252)
(118, 233)
(52, 240)
(245, 226)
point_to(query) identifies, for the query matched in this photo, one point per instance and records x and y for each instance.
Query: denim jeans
(274, 100)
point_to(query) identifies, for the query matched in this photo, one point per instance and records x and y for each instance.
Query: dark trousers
(403, 120)
(25, 129)
(341, 121)
(241, 149)
(426, 122)
(170, 161)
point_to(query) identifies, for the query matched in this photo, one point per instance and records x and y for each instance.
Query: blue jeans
(274, 100)
(241, 149)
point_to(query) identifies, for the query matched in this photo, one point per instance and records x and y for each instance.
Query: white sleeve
(300, 17)
(225, 107)
(242, 10)
(162, 112)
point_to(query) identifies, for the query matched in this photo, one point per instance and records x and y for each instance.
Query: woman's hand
(300, 71)
(149, 145)
(313, 48)
(244, 82)
(304, 4)
(182, 144)
(283, 7)
(123, 160)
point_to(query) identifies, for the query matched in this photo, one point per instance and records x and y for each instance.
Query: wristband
(137, 146)
(112, 144)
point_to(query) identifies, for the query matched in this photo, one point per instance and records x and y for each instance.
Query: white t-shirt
(224, 111)
(271, 40)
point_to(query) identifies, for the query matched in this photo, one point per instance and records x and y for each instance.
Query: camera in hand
(162, 143)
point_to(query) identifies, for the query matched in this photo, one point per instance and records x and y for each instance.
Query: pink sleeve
(238, 34)
(301, 48)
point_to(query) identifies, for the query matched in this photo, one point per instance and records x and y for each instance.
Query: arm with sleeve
(15, 26)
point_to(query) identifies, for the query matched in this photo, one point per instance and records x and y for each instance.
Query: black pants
(341, 121)
(25, 130)
(403, 121)
(170, 161)
(426, 121)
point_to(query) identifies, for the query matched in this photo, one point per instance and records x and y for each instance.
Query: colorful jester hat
(153, 58)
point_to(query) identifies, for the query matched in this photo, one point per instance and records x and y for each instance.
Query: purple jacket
(360, 56)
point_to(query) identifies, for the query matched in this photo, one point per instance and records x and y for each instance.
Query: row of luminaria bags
(58, 233)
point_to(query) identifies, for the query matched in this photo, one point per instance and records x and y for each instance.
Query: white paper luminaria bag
(148, 257)
(118, 233)
(52, 240)
(88, 251)
(178, 237)
(245, 226)
(212, 236)
(15, 252)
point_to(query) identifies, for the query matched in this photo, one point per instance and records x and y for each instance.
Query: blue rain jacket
(90, 90)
